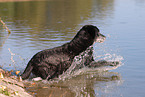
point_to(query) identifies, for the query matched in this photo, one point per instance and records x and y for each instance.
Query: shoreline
(11, 86)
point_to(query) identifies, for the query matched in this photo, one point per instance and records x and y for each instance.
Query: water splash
(110, 57)
(78, 66)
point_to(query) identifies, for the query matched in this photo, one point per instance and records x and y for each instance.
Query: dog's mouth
(101, 38)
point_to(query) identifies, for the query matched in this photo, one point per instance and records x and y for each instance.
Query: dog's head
(94, 33)
(86, 36)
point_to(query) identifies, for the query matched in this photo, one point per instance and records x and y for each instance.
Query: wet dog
(51, 63)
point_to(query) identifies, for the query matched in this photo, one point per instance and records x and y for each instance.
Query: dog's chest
(84, 58)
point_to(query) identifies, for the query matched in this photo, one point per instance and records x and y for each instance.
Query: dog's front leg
(101, 63)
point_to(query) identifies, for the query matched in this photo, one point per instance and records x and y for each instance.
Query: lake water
(38, 25)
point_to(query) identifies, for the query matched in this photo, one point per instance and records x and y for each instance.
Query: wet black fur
(50, 63)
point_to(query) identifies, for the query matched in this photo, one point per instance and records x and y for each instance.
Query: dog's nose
(101, 38)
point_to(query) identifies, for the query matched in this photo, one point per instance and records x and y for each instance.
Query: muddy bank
(11, 85)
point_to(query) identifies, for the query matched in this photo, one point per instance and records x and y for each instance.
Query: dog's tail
(27, 71)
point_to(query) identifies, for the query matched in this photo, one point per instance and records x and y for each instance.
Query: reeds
(4, 25)
(9, 32)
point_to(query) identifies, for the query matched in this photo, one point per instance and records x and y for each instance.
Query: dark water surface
(38, 25)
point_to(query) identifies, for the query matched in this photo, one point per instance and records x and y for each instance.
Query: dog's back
(50, 63)
(45, 62)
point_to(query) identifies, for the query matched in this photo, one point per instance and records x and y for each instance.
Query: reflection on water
(88, 85)
(38, 25)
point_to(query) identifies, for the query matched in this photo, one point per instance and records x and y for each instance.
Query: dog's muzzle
(100, 38)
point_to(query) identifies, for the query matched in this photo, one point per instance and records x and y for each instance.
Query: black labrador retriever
(50, 63)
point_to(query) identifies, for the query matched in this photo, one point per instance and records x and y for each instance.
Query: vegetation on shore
(11, 85)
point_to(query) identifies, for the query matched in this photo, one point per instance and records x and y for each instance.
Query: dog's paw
(37, 79)
(103, 63)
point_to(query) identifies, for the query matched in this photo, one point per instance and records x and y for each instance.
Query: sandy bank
(11, 86)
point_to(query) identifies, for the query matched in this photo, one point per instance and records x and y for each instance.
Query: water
(37, 25)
